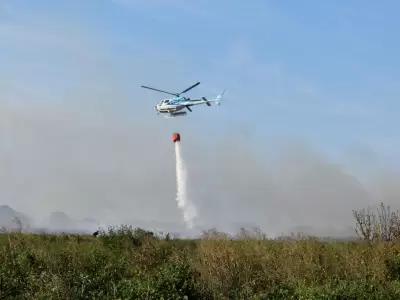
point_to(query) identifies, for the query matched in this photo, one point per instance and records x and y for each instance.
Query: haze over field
(300, 139)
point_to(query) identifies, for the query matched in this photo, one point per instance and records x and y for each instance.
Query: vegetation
(131, 263)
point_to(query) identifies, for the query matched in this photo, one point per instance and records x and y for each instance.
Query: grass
(130, 263)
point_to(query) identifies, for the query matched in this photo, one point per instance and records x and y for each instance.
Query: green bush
(128, 263)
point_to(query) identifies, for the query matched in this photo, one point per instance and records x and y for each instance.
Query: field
(131, 263)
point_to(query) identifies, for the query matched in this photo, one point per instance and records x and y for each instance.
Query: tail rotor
(219, 97)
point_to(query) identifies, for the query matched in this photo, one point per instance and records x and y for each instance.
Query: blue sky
(324, 71)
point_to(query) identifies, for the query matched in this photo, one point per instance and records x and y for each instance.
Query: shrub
(127, 263)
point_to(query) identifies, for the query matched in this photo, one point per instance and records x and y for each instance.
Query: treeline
(127, 263)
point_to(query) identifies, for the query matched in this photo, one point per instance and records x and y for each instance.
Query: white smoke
(188, 209)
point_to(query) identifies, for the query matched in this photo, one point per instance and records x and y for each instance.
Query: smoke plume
(79, 136)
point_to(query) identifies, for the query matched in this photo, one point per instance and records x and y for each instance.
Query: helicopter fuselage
(174, 105)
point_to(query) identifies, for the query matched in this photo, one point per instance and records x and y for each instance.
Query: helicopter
(173, 107)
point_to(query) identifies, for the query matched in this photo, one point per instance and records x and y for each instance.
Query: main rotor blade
(194, 85)
(146, 87)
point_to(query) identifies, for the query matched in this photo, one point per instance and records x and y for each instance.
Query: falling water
(188, 209)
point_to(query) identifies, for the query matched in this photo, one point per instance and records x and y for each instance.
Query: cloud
(208, 12)
(245, 66)
(60, 41)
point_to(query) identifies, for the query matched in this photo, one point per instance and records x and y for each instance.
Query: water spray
(188, 209)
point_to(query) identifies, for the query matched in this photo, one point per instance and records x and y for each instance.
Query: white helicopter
(174, 106)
